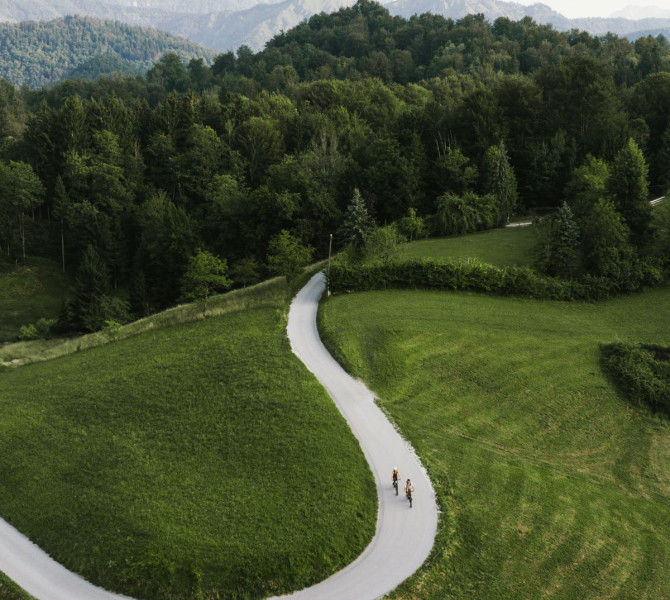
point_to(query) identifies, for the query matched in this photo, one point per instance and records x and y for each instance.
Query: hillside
(199, 460)
(552, 485)
(41, 53)
(228, 24)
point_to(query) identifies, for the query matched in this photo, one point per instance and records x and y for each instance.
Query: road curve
(41, 576)
(404, 536)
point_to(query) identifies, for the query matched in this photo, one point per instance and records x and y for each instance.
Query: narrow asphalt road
(404, 536)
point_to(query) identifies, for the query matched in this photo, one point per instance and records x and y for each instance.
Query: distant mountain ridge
(40, 53)
(227, 24)
(641, 12)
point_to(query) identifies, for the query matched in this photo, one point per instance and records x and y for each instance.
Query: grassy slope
(499, 247)
(552, 486)
(196, 456)
(27, 293)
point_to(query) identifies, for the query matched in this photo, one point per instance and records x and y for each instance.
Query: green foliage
(29, 292)
(287, 256)
(661, 227)
(453, 172)
(557, 251)
(642, 372)
(149, 169)
(476, 276)
(93, 303)
(464, 214)
(606, 241)
(629, 188)
(21, 192)
(412, 226)
(455, 214)
(245, 272)
(104, 65)
(111, 329)
(206, 275)
(42, 53)
(501, 181)
(587, 185)
(357, 224)
(38, 330)
(383, 244)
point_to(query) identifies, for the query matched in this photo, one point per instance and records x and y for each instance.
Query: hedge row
(641, 371)
(481, 277)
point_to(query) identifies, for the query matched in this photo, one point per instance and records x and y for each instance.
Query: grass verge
(274, 292)
(551, 485)
(10, 591)
(197, 460)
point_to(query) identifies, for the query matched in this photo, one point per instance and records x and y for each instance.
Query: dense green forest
(40, 53)
(441, 127)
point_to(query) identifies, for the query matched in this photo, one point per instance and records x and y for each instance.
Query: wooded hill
(451, 125)
(228, 24)
(41, 53)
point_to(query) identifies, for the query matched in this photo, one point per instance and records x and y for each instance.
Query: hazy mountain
(622, 27)
(641, 12)
(540, 13)
(40, 53)
(457, 9)
(227, 24)
(26, 10)
(253, 27)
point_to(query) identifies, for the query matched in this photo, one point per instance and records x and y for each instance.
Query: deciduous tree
(205, 275)
(287, 256)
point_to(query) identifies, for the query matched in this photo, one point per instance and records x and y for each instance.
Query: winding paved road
(404, 536)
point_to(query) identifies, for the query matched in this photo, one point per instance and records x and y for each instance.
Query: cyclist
(394, 477)
(409, 490)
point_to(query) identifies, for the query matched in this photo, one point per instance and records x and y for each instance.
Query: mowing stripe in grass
(552, 485)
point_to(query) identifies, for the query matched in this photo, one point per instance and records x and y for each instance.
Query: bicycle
(409, 490)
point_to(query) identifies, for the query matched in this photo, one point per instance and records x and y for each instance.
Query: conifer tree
(501, 181)
(557, 252)
(629, 188)
(357, 223)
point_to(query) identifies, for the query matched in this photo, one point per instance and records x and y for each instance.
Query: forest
(40, 53)
(427, 125)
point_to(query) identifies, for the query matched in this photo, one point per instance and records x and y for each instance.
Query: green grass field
(552, 485)
(198, 460)
(27, 293)
(499, 247)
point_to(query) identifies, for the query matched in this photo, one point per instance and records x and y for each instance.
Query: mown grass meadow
(552, 485)
(498, 247)
(197, 460)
